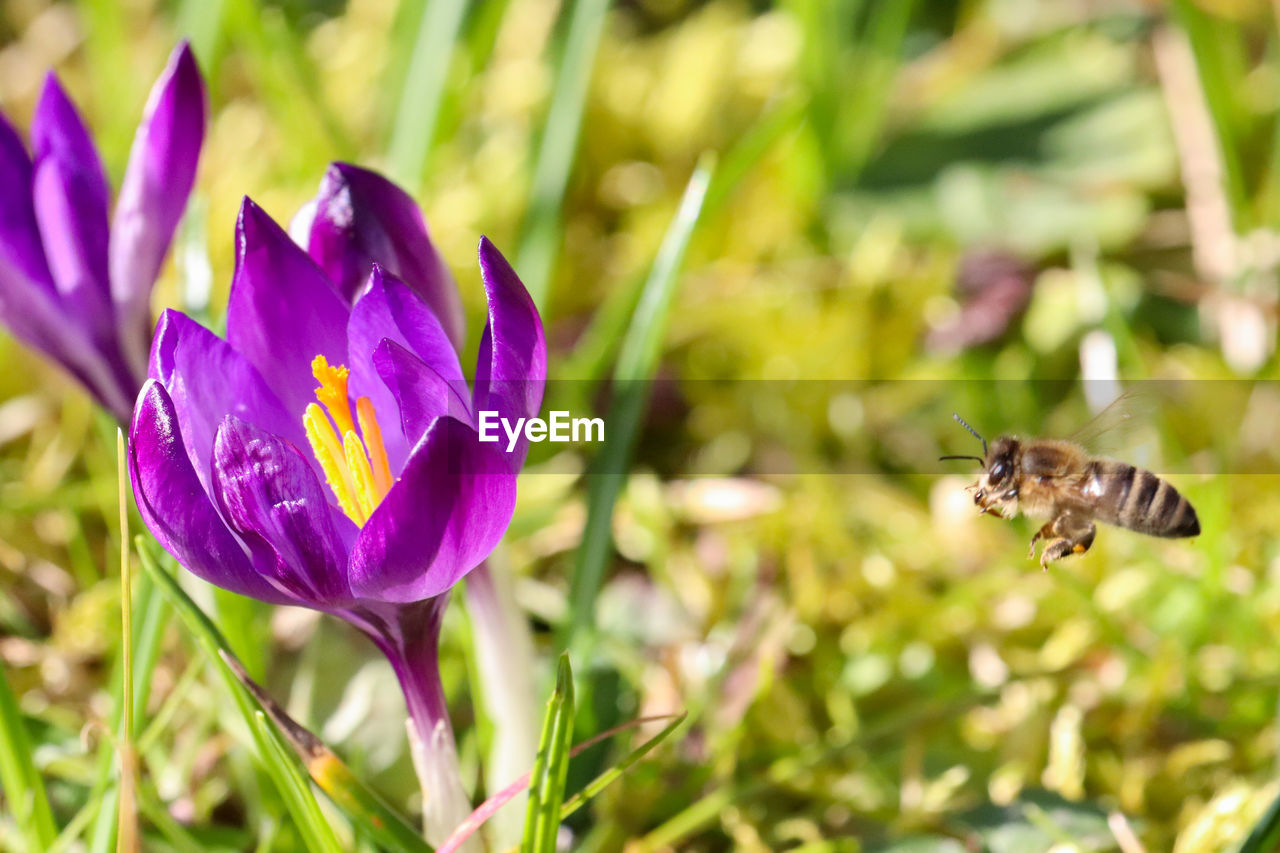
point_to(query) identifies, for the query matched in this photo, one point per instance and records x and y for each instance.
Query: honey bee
(1058, 480)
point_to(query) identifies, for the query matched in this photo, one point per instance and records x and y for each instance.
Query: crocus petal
(207, 380)
(153, 195)
(360, 219)
(283, 311)
(74, 232)
(70, 199)
(58, 132)
(511, 370)
(30, 305)
(444, 515)
(19, 235)
(269, 495)
(176, 507)
(36, 316)
(388, 309)
(421, 393)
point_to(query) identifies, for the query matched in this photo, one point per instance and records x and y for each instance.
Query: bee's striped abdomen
(1139, 500)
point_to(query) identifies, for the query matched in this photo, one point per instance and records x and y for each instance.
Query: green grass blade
(1269, 192)
(637, 361)
(71, 833)
(156, 726)
(283, 767)
(102, 839)
(750, 148)
(558, 147)
(23, 788)
(496, 801)
(147, 644)
(878, 57)
(333, 776)
(364, 806)
(605, 779)
(358, 801)
(482, 31)
(422, 93)
(102, 833)
(201, 22)
(551, 767)
(552, 795)
(286, 81)
(827, 27)
(596, 348)
(127, 818)
(1217, 46)
(1265, 835)
(201, 626)
(850, 40)
(245, 623)
(101, 815)
(275, 757)
(112, 53)
(695, 816)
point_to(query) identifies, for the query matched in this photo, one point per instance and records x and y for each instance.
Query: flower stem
(409, 636)
(415, 660)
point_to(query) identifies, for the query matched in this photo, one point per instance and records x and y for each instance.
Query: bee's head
(995, 491)
(998, 468)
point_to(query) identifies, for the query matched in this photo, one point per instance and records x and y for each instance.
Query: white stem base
(445, 804)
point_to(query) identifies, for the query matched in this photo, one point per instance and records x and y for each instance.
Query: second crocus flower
(75, 282)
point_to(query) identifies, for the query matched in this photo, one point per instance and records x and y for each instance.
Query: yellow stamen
(358, 464)
(333, 392)
(372, 433)
(329, 453)
(358, 472)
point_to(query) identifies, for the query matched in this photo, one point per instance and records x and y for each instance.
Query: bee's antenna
(972, 431)
(975, 458)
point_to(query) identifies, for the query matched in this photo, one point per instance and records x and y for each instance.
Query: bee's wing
(1126, 424)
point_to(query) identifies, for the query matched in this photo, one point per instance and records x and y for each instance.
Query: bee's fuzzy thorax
(1035, 500)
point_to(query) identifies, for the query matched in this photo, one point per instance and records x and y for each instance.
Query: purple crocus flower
(75, 284)
(359, 219)
(369, 496)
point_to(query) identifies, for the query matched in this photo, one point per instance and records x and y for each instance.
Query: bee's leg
(1043, 533)
(1074, 536)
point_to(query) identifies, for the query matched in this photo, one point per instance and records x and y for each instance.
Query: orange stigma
(355, 464)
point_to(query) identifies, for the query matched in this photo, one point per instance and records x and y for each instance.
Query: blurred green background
(1029, 191)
